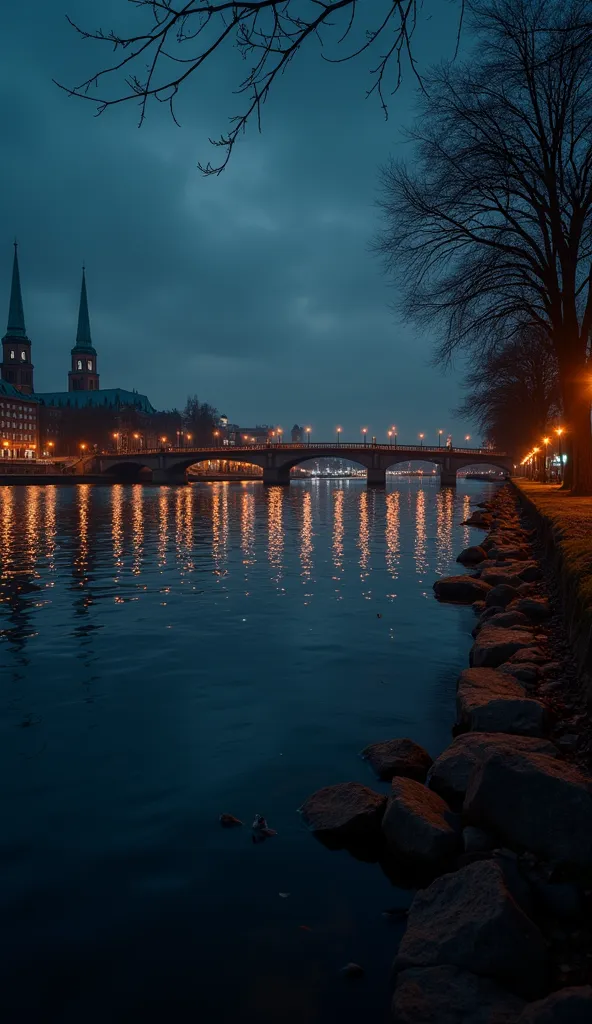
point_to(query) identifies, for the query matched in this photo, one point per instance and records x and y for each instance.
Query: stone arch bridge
(170, 465)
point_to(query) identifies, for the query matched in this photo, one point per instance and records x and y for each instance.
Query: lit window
(12, 353)
(79, 364)
(24, 356)
(89, 364)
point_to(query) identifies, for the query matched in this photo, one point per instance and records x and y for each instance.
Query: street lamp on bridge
(307, 432)
(279, 433)
(338, 435)
(394, 430)
(421, 437)
(467, 437)
(364, 432)
(440, 432)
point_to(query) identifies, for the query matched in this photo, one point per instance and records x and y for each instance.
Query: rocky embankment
(497, 831)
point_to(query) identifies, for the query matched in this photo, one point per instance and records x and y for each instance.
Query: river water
(168, 654)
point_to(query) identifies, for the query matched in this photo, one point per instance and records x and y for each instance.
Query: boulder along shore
(495, 835)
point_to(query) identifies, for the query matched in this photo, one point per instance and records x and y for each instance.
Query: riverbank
(501, 822)
(565, 530)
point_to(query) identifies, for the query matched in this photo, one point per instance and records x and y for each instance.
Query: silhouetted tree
(491, 229)
(513, 394)
(200, 420)
(177, 40)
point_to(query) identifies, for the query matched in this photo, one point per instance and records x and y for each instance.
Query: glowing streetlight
(389, 435)
(467, 437)
(189, 436)
(394, 430)
(280, 432)
(307, 432)
(338, 435)
(83, 447)
(364, 432)
(421, 437)
(440, 432)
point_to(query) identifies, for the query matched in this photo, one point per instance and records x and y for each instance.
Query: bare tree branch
(191, 33)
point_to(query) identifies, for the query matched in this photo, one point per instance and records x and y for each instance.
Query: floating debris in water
(261, 829)
(229, 821)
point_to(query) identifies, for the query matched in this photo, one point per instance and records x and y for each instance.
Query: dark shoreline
(524, 808)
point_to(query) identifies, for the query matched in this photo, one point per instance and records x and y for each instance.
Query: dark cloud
(255, 289)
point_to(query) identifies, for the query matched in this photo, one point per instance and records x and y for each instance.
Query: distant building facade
(59, 422)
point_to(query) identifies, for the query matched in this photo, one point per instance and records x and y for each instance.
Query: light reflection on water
(167, 654)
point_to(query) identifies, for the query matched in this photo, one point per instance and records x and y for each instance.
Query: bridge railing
(226, 451)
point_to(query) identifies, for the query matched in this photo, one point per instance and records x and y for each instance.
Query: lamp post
(389, 434)
(338, 435)
(440, 432)
(116, 439)
(307, 432)
(535, 452)
(546, 442)
(188, 437)
(280, 432)
(216, 437)
(467, 437)
(421, 437)
(559, 431)
(394, 430)
(364, 432)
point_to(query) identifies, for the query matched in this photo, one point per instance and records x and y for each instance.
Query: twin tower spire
(16, 363)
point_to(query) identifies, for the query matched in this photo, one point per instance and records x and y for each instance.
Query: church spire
(83, 338)
(16, 316)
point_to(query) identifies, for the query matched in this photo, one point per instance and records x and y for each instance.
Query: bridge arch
(130, 469)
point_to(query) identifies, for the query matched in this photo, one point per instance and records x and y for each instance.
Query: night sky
(256, 289)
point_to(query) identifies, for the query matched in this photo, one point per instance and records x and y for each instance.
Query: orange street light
(307, 432)
(163, 439)
(364, 432)
(116, 435)
(440, 432)
(421, 437)
(50, 444)
(467, 437)
(559, 431)
(189, 436)
(83, 446)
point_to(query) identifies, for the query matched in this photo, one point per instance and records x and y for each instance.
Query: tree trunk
(577, 410)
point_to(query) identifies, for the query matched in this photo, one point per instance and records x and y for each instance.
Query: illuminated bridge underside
(276, 461)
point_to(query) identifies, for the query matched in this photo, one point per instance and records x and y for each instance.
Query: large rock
(448, 995)
(536, 609)
(398, 757)
(469, 919)
(480, 519)
(461, 589)
(490, 701)
(450, 773)
(568, 1006)
(532, 655)
(347, 811)
(472, 556)
(530, 573)
(525, 672)
(506, 619)
(507, 553)
(419, 826)
(493, 646)
(499, 577)
(501, 595)
(534, 802)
